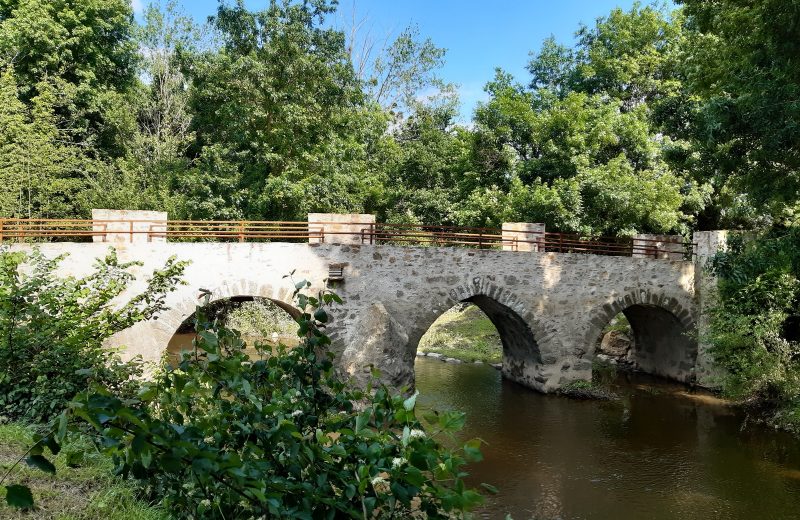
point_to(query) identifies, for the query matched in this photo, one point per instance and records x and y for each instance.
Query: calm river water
(661, 452)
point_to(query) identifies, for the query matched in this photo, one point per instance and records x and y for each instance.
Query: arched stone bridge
(549, 308)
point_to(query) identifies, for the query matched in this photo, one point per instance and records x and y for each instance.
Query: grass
(466, 334)
(87, 491)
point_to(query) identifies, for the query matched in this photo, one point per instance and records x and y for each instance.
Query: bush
(52, 329)
(221, 436)
(754, 324)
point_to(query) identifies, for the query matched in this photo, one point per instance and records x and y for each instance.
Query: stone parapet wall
(128, 226)
(523, 236)
(666, 247)
(340, 228)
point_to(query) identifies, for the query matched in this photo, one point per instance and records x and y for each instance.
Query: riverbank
(83, 487)
(464, 333)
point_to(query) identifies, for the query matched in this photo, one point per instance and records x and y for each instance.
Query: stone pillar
(131, 226)
(523, 236)
(335, 228)
(708, 243)
(666, 247)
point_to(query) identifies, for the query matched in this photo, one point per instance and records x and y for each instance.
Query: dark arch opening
(660, 343)
(257, 318)
(516, 336)
(516, 345)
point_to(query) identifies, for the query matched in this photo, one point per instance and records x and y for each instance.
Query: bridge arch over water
(664, 333)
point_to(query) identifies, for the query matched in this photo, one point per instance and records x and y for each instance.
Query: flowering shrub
(221, 436)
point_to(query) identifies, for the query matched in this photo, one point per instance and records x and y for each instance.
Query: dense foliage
(756, 325)
(52, 329)
(224, 436)
(654, 121)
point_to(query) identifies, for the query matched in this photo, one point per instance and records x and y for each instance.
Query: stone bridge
(549, 308)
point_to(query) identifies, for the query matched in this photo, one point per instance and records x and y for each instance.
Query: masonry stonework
(549, 308)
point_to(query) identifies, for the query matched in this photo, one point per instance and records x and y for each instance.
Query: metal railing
(116, 231)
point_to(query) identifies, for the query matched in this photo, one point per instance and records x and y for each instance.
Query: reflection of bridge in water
(548, 295)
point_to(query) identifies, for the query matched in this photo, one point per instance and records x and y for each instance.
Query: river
(661, 452)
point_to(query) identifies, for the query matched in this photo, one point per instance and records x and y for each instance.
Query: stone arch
(664, 333)
(516, 325)
(150, 339)
(524, 342)
(243, 289)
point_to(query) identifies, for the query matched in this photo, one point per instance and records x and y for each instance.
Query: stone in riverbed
(616, 344)
(434, 355)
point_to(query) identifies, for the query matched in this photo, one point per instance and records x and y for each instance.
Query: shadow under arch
(522, 354)
(519, 343)
(664, 334)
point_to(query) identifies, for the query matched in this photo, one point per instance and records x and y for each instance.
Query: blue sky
(478, 35)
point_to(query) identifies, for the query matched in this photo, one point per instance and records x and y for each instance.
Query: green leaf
(19, 496)
(38, 461)
(472, 451)
(409, 403)
(61, 432)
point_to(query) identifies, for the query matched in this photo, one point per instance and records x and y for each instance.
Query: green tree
(279, 115)
(744, 70)
(84, 49)
(44, 175)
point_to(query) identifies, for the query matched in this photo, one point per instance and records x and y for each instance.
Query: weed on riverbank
(83, 487)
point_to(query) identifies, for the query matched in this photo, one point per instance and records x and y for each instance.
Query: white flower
(397, 462)
(205, 502)
(297, 413)
(380, 483)
(417, 434)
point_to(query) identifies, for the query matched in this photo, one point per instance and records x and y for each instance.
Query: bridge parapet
(523, 236)
(131, 226)
(337, 228)
(667, 247)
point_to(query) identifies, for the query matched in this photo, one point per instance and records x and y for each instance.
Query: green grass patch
(83, 487)
(466, 334)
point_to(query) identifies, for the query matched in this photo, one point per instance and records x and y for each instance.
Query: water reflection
(659, 453)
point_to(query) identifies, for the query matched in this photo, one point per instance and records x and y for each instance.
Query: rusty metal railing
(116, 231)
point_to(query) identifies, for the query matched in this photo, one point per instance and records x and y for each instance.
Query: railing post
(131, 231)
(2, 227)
(241, 231)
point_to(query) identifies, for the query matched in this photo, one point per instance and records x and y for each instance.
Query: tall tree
(746, 70)
(43, 174)
(84, 49)
(279, 114)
